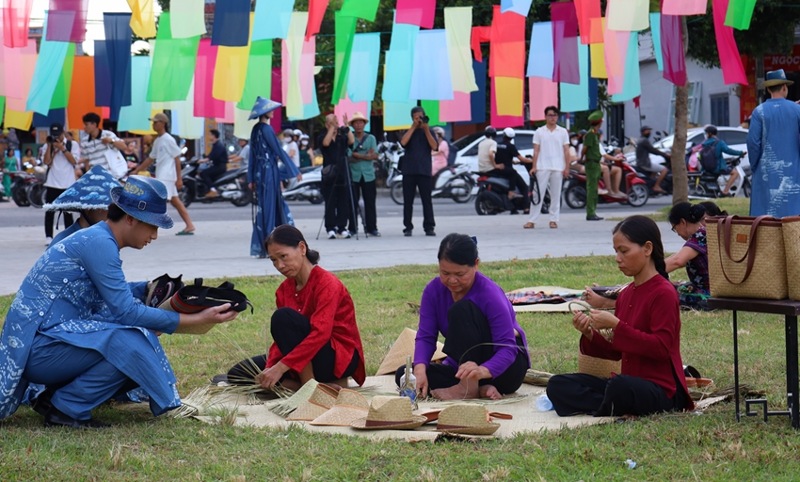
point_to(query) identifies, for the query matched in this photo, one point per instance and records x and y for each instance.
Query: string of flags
(218, 77)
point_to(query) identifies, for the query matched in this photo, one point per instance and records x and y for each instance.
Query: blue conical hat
(91, 191)
(263, 106)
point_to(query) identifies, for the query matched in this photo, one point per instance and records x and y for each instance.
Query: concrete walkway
(221, 248)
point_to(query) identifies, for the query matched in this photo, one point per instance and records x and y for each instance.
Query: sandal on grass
(694, 379)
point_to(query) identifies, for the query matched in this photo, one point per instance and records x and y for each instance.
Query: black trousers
(370, 192)
(211, 174)
(469, 339)
(412, 183)
(578, 393)
(50, 195)
(337, 205)
(289, 328)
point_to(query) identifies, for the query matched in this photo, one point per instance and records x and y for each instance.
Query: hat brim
(268, 107)
(774, 82)
(163, 221)
(486, 429)
(415, 422)
(339, 416)
(350, 122)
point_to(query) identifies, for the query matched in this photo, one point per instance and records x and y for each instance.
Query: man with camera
(61, 158)
(335, 176)
(95, 142)
(418, 143)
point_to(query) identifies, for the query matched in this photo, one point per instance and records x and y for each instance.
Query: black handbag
(195, 298)
(162, 288)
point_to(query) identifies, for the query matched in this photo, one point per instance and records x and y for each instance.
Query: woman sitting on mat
(486, 349)
(76, 328)
(314, 329)
(688, 222)
(645, 333)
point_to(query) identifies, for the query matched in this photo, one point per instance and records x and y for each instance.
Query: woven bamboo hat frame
(466, 419)
(392, 413)
(350, 405)
(402, 348)
(322, 398)
(599, 367)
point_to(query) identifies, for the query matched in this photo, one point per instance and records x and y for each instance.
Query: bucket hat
(263, 106)
(389, 413)
(145, 199)
(350, 405)
(466, 419)
(90, 191)
(776, 77)
(358, 116)
(321, 399)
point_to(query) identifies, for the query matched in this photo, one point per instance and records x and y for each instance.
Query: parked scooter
(492, 197)
(633, 185)
(308, 189)
(705, 185)
(231, 186)
(455, 182)
(389, 154)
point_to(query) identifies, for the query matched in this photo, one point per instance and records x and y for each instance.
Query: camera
(343, 130)
(426, 119)
(50, 139)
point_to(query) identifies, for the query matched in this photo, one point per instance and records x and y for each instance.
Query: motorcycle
(308, 189)
(231, 186)
(27, 189)
(492, 197)
(455, 182)
(389, 154)
(705, 185)
(633, 185)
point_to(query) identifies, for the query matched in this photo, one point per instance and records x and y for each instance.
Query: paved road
(221, 246)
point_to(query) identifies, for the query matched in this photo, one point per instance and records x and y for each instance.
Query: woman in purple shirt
(486, 349)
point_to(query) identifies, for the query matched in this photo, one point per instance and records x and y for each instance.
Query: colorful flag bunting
(575, 97)
(458, 25)
(81, 93)
(739, 14)
(655, 35)
(631, 83)
(684, 7)
(143, 18)
(397, 74)
(520, 7)
(187, 19)
(136, 116)
(345, 31)
(259, 74)
(565, 42)
(205, 105)
(364, 63)
(542, 93)
(540, 54)
(173, 65)
(729, 58)
(457, 110)
(16, 18)
(49, 63)
(272, 19)
(415, 12)
(316, 11)
(628, 15)
(671, 43)
(585, 11)
(430, 77)
(365, 9)
(231, 23)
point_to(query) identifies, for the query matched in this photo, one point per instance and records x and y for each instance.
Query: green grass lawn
(708, 446)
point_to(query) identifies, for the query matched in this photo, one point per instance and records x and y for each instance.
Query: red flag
(316, 10)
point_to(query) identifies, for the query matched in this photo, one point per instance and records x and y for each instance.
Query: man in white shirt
(486, 151)
(95, 142)
(60, 156)
(550, 165)
(167, 156)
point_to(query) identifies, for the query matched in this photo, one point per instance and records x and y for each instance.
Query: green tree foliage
(771, 32)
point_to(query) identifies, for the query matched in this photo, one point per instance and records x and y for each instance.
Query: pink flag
(507, 57)
(277, 80)
(345, 107)
(205, 105)
(541, 93)
(78, 22)
(729, 58)
(616, 50)
(316, 10)
(416, 12)
(16, 18)
(565, 43)
(586, 10)
(684, 7)
(456, 110)
(672, 49)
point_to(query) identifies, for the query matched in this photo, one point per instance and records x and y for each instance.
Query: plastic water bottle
(543, 404)
(408, 383)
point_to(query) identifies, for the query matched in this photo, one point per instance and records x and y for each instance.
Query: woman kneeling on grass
(314, 328)
(645, 328)
(486, 349)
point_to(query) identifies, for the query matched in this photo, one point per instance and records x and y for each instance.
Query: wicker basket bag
(746, 257)
(791, 242)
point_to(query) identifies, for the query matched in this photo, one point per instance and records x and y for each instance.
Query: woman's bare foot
(489, 391)
(460, 391)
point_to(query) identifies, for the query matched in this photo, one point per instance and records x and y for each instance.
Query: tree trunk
(680, 180)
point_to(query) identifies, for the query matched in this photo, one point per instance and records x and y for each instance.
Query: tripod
(343, 161)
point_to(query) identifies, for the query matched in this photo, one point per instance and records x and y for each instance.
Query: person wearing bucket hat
(76, 328)
(487, 354)
(90, 196)
(362, 174)
(645, 334)
(269, 165)
(773, 147)
(314, 330)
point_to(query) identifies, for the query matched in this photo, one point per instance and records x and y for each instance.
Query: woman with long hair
(688, 222)
(644, 331)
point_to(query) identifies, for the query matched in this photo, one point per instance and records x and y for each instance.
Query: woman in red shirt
(314, 328)
(645, 334)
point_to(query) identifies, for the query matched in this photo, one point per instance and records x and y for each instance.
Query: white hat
(509, 132)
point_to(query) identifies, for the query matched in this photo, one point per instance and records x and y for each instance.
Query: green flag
(61, 94)
(259, 74)
(345, 32)
(173, 65)
(365, 9)
(740, 12)
(432, 111)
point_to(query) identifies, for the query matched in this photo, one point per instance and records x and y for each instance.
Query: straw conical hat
(350, 405)
(404, 347)
(393, 413)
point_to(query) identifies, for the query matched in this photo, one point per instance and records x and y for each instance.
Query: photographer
(418, 143)
(335, 188)
(61, 157)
